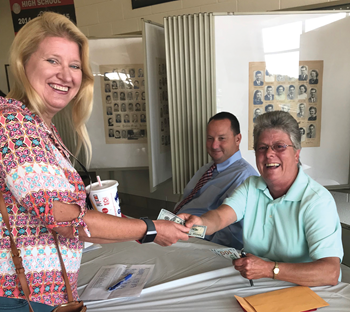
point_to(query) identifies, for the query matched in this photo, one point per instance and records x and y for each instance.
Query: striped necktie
(203, 180)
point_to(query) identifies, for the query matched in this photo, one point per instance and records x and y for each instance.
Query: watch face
(276, 270)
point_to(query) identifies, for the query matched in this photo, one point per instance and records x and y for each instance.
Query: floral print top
(35, 171)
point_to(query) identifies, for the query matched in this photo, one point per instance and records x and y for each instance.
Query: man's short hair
(232, 118)
(291, 86)
(258, 72)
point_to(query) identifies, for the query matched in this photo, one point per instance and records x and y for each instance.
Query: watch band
(275, 270)
(151, 232)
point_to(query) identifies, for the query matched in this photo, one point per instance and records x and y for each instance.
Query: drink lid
(105, 185)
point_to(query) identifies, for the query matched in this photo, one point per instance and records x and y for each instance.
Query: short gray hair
(278, 120)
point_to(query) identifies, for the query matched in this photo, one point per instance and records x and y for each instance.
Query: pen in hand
(120, 282)
(243, 255)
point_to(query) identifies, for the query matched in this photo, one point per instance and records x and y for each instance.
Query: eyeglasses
(276, 147)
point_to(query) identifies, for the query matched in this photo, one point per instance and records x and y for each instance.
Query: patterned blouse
(35, 171)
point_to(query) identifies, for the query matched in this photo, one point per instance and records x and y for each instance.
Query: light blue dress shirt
(301, 226)
(227, 176)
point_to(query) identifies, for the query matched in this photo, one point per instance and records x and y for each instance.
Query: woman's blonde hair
(26, 42)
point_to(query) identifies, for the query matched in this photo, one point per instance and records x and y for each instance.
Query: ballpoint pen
(243, 255)
(120, 282)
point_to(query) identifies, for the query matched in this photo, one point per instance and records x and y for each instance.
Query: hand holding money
(195, 231)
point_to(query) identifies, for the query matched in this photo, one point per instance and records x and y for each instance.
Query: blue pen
(120, 282)
(243, 254)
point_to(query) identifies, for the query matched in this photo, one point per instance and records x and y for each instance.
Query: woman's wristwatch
(275, 270)
(151, 232)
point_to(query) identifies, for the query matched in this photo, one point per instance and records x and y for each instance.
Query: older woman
(288, 218)
(42, 190)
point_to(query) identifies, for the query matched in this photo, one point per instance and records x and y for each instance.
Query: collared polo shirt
(301, 226)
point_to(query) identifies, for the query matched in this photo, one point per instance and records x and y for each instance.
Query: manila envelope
(293, 299)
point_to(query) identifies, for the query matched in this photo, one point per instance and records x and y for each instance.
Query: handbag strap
(15, 253)
(17, 259)
(63, 267)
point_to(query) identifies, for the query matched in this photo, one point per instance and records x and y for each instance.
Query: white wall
(107, 18)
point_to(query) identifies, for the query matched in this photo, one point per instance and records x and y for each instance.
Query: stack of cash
(195, 231)
(227, 253)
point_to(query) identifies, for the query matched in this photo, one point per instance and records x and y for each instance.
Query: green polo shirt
(301, 226)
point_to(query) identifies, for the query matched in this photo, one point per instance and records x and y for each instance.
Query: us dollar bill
(195, 231)
(167, 215)
(227, 253)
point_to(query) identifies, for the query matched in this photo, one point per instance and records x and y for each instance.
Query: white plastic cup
(105, 198)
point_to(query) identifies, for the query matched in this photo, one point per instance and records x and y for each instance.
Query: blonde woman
(42, 190)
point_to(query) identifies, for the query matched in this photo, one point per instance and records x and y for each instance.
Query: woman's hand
(304, 274)
(169, 232)
(253, 267)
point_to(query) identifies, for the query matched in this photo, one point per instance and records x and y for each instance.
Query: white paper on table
(107, 276)
(90, 247)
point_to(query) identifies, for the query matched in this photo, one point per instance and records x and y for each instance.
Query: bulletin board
(124, 103)
(283, 41)
(110, 53)
(300, 96)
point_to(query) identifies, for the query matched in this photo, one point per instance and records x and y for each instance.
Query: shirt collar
(296, 190)
(228, 162)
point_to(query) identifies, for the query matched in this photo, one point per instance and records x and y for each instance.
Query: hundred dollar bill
(167, 215)
(227, 253)
(197, 231)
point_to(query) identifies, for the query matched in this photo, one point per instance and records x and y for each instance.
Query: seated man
(223, 139)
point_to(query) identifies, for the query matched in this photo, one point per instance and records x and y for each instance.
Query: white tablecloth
(188, 277)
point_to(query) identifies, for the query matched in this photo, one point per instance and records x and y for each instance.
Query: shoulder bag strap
(17, 259)
(64, 273)
(15, 253)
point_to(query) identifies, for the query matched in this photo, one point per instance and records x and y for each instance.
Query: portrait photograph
(312, 113)
(313, 95)
(303, 73)
(280, 95)
(269, 96)
(259, 78)
(258, 97)
(311, 134)
(313, 77)
(302, 92)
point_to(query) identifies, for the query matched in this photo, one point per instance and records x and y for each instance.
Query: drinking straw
(99, 180)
